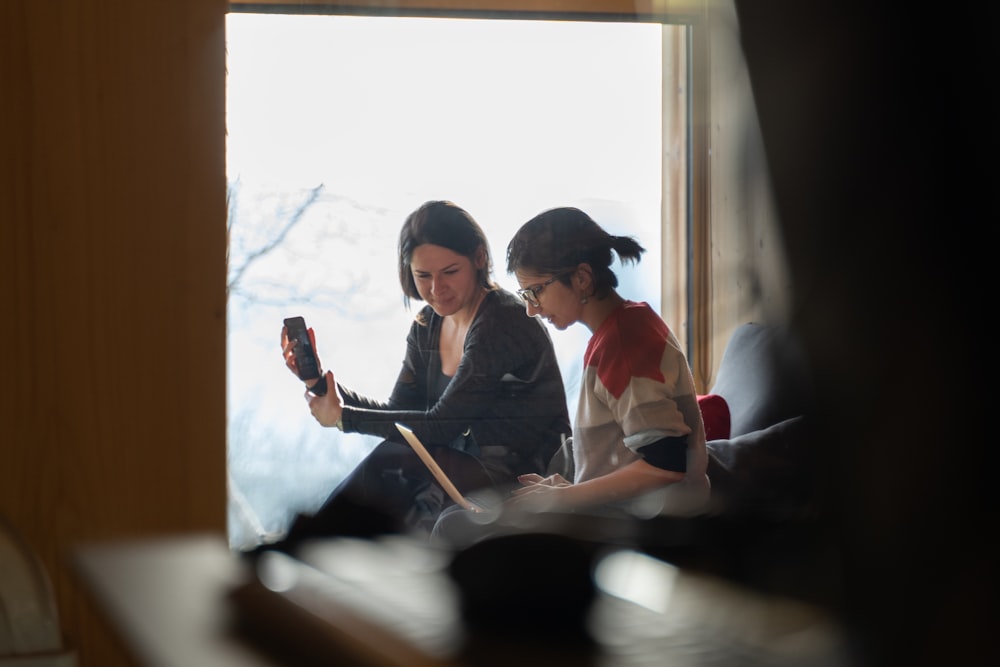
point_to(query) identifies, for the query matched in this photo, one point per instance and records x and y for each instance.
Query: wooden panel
(113, 261)
(674, 204)
(749, 272)
(700, 270)
(654, 10)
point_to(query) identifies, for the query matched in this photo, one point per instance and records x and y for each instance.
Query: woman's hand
(288, 353)
(532, 479)
(326, 409)
(539, 494)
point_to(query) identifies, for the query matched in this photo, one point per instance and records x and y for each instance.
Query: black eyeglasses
(530, 294)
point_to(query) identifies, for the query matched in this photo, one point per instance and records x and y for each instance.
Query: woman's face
(557, 302)
(446, 280)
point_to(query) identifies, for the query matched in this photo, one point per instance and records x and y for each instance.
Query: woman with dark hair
(479, 386)
(638, 445)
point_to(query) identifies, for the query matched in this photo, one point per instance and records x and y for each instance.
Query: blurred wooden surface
(169, 600)
(166, 598)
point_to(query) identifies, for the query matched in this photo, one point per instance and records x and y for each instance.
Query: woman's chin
(445, 309)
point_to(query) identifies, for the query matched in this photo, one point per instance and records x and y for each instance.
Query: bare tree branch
(296, 217)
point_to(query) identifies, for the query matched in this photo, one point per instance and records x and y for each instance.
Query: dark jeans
(390, 491)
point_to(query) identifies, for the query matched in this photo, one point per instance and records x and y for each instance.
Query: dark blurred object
(30, 633)
(526, 585)
(877, 122)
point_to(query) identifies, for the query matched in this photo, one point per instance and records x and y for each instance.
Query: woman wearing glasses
(638, 446)
(479, 385)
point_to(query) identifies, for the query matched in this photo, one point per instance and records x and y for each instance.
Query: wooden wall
(112, 257)
(113, 280)
(748, 268)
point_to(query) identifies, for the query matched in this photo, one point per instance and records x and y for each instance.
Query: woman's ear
(583, 278)
(480, 258)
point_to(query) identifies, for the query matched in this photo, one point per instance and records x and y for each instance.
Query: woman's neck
(598, 310)
(453, 331)
(463, 318)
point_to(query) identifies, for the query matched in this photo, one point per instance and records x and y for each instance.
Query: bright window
(338, 127)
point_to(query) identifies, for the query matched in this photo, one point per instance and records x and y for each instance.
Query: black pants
(390, 491)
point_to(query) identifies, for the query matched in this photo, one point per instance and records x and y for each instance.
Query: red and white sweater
(637, 388)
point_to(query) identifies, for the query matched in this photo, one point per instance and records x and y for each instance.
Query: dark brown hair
(444, 224)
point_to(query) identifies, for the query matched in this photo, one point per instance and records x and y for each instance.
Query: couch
(768, 527)
(764, 466)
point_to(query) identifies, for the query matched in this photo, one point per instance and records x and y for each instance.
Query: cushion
(715, 414)
(763, 377)
(769, 471)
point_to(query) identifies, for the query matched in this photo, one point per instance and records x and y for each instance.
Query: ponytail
(627, 248)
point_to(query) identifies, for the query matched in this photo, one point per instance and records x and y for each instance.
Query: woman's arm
(624, 483)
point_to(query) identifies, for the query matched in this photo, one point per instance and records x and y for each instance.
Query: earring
(583, 300)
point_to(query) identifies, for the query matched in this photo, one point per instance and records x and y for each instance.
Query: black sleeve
(668, 453)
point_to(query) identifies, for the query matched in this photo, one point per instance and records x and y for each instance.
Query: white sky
(445, 105)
